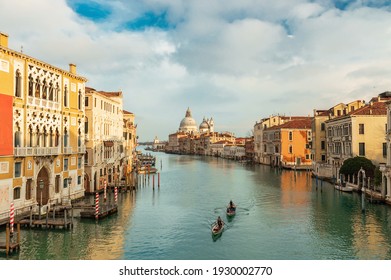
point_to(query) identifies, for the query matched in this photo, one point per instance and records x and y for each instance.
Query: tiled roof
(294, 124)
(376, 109)
(126, 112)
(105, 93)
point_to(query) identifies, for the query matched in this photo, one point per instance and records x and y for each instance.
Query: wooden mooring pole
(158, 179)
(7, 239)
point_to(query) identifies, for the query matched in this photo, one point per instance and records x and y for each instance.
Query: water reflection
(281, 214)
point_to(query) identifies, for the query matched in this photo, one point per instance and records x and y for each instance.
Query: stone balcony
(36, 151)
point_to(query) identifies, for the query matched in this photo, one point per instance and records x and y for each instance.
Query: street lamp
(69, 188)
(41, 185)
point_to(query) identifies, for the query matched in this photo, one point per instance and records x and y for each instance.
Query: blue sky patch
(149, 19)
(91, 10)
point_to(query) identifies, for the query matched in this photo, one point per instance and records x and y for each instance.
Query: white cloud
(235, 61)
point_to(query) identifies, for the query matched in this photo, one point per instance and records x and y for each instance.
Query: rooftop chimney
(3, 40)
(72, 68)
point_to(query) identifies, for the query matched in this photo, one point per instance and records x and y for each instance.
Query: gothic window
(31, 85)
(18, 84)
(45, 137)
(30, 137)
(37, 88)
(44, 89)
(51, 90)
(57, 138)
(17, 136)
(37, 139)
(56, 90)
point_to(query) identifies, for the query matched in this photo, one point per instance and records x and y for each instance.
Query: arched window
(37, 88)
(51, 89)
(44, 89)
(45, 137)
(31, 85)
(65, 138)
(17, 136)
(56, 91)
(30, 137)
(79, 138)
(66, 96)
(38, 136)
(79, 100)
(18, 84)
(290, 136)
(57, 138)
(51, 137)
(86, 125)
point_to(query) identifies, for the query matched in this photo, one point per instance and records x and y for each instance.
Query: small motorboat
(216, 230)
(343, 189)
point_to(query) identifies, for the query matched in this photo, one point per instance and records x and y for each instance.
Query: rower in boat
(231, 208)
(219, 222)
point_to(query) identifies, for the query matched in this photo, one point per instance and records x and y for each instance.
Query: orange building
(287, 145)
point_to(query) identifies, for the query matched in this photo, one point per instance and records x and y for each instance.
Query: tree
(351, 166)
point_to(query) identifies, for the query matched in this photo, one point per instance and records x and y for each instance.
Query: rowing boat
(216, 230)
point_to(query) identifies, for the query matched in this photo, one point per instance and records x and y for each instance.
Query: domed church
(207, 125)
(188, 124)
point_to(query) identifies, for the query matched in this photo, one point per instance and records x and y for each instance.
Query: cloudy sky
(235, 61)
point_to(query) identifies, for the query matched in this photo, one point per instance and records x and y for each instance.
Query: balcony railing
(81, 150)
(67, 150)
(36, 151)
(43, 103)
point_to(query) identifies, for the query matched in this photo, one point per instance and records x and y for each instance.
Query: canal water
(280, 215)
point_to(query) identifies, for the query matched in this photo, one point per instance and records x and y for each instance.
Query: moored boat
(146, 170)
(344, 189)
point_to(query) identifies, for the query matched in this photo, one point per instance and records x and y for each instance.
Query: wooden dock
(107, 210)
(57, 218)
(10, 245)
(47, 223)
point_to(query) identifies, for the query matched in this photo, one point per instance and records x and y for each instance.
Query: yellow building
(41, 132)
(130, 144)
(359, 133)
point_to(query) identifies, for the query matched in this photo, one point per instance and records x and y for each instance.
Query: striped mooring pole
(104, 193)
(96, 205)
(115, 194)
(12, 216)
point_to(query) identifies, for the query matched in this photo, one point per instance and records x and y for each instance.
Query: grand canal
(281, 215)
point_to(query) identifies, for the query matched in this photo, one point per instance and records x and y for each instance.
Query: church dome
(188, 124)
(204, 125)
